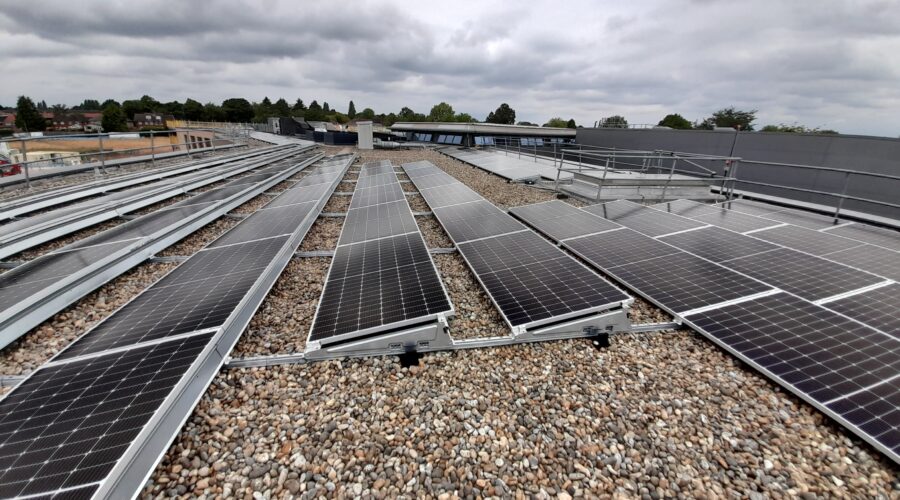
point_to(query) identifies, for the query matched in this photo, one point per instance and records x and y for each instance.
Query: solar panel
(299, 194)
(560, 220)
(681, 282)
(878, 308)
(735, 221)
(805, 275)
(471, 221)
(434, 180)
(615, 248)
(887, 238)
(419, 169)
(377, 168)
(201, 293)
(875, 413)
(506, 252)
(751, 207)
(876, 260)
(806, 240)
(642, 219)
(68, 425)
(685, 208)
(377, 221)
(369, 181)
(377, 195)
(809, 220)
(450, 194)
(717, 244)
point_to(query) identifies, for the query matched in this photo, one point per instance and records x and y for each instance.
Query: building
(483, 134)
(149, 119)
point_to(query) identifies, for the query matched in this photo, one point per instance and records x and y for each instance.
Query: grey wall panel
(869, 154)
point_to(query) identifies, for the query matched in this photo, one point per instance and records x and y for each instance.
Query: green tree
(42, 106)
(315, 112)
(173, 108)
(326, 108)
(132, 107)
(731, 117)
(299, 106)
(281, 108)
(59, 109)
(614, 121)
(674, 120)
(503, 115)
(571, 123)
(108, 102)
(114, 119)
(214, 113)
(193, 110)
(528, 124)
(441, 112)
(408, 115)
(367, 114)
(28, 118)
(389, 119)
(796, 129)
(237, 109)
(556, 122)
(341, 117)
(464, 118)
(150, 104)
(88, 105)
(351, 111)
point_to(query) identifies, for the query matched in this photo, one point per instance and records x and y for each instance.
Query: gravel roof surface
(253, 204)
(654, 415)
(337, 204)
(435, 236)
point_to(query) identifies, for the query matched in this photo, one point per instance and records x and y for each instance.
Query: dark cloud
(835, 65)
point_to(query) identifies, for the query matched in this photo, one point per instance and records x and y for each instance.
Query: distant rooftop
(482, 128)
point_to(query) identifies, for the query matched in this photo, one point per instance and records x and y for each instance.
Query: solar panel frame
(873, 235)
(449, 194)
(717, 244)
(615, 248)
(736, 221)
(377, 221)
(377, 195)
(870, 258)
(806, 240)
(561, 221)
(643, 219)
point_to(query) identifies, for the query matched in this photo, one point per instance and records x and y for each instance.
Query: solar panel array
(66, 427)
(530, 280)
(382, 275)
(506, 165)
(841, 353)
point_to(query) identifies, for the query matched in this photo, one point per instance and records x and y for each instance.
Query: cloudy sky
(832, 64)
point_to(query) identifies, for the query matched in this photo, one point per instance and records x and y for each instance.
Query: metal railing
(103, 156)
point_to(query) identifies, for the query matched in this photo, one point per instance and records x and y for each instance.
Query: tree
(351, 111)
(556, 122)
(42, 106)
(59, 109)
(315, 112)
(299, 106)
(114, 119)
(341, 118)
(132, 107)
(173, 108)
(464, 118)
(88, 105)
(108, 102)
(213, 113)
(326, 108)
(441, 112)
(389, 119)
(503, 115)
(528, 124)
(614, 121)
(797, 129)
(571, 123)
(367, 114)
(281, 108)
(408, 115)
(730, 117)
(150, 104)
(237, 109)
(193, 110)
(28, 118)
(674, 120)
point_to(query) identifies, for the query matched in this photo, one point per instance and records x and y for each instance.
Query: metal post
(837, 210)
(666, 185)
(602, 179)
(102, 155)
(25, 162)
(152, 151)
(734, 168)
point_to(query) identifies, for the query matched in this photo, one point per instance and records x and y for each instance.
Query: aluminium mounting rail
(25, 313)
(52, 197)
(49, 228)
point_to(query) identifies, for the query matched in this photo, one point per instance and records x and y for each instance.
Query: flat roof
(483, 128)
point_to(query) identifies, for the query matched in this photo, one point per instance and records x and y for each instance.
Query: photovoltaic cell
(806, 240)
(370, 256)
(68, 424)
(561, 221)
(805, 219)
(642, 219)
(199, 294)
(751, 207)
(509, 251)
(462, 230)
(717, 244)
(805, 275)
(615, 248)
(878, 308)
(888, 238)
(875, 412)
(377, 221)
(876, 260)
(681, 282)
(434, 180)
(266, 223)
(377, 195)
(735, 221)
(450, 194)
(685, 208)
(299, 194)
(812, 350)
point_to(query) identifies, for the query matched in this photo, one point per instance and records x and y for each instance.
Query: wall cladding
(869, 154)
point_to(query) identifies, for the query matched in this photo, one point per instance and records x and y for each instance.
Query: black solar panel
(68, 424)
(377, 221)
(201, 293)
(481, 227)
(472, 210)
(450, 194)
(888, 238)
(805, 275)
(371, 181)
(317, 177)
(751, 207)
(685, 208)
(267, 223)
(878, 308)
(809, 220)
(717, 244)
(875, 412)
(642, 219)
(434, 180)
(299, 194)
(419, 169)
(561, 221)
(614, 248)
(806, 240)
(735, 221)
(377, 195)
(682, 282)
(876, 260)
(814, 351)
(506, 252)
(370, 256)
(376, 168)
